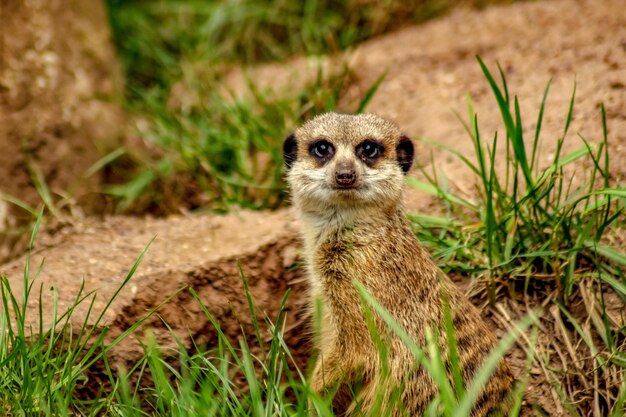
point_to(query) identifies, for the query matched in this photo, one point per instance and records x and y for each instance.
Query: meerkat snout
(345, 174)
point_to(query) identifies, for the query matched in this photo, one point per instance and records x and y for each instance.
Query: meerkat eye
(322, 149)
(369, 150)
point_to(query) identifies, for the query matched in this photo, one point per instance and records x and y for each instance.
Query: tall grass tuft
(257, 376)
(253, 376)
(45, 360)
(542, 230)
(535, 223)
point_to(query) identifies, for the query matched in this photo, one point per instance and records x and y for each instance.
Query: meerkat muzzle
(345, 174)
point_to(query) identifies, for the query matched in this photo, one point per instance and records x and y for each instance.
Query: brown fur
(361, 234)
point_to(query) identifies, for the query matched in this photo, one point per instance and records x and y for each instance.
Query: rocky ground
(431, 69)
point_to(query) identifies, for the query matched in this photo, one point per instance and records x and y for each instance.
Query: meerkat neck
(317, 225)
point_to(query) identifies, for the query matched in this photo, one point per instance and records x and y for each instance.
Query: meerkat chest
(346, 254)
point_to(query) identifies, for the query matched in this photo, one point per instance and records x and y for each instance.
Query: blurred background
(216, 148)
(148, 107)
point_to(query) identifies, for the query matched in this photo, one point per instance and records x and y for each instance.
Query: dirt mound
(433, 68)
(58, 75)
(203, 253)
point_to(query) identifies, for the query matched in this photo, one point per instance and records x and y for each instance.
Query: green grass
(161, 41)
(541, 231)
(42, 367)
(532, 221)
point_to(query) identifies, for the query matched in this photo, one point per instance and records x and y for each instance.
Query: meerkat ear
(405, 153)
(290, 150)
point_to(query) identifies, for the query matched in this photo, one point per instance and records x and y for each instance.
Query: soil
(431, 69)
(59, 81)
(195, 251)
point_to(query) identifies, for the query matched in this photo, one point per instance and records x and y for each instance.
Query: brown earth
(431, 70)
(199, 252)
(58, 80)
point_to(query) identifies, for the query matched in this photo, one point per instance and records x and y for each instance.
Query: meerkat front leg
(334, 375)
(328, 373)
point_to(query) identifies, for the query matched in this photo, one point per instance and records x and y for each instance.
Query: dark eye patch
(290, 150)
(405, 153)
(322, 150)
(369, 151)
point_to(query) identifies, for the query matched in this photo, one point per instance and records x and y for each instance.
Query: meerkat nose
(345, 175)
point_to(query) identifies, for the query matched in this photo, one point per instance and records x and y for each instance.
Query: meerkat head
(346, 161)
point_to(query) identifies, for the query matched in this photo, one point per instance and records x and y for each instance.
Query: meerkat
(346, 174)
